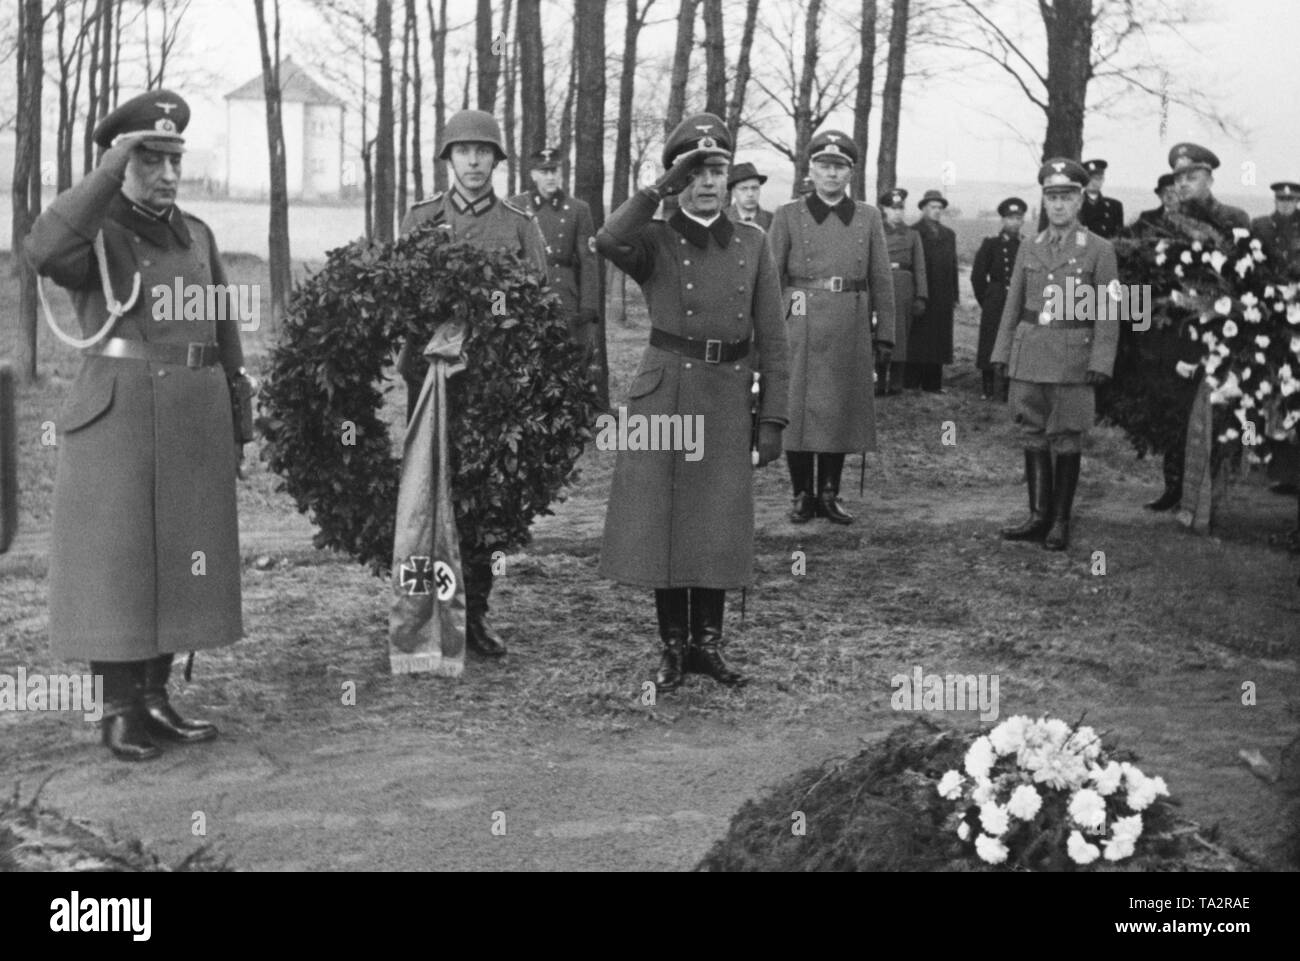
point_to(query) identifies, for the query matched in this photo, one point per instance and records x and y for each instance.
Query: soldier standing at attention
(930, 342)
(1104, 216)
(1155, 222)
(907, 264)
(470, 210)
(745, 184)
(833, 261)
(1055, 359)
(1280, 230)
(684, 526)
(148, 453)
(570, 238)
(989, 276)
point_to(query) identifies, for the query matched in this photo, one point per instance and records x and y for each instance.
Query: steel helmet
(471, 126)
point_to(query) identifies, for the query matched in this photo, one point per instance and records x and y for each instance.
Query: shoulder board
(510, 205)
(189, 216)
(1042, 235)
(747, 223)
(519, 200)
(429, 200)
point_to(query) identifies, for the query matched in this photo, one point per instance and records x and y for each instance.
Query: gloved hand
(918, 307)
(769, 443)
(678, 176)
(1097, 378)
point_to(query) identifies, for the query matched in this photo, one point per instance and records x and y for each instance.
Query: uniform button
(681, 240)
(162, 373)
(687, 365)
(737, 367)
(690, 313)
(136, 239)
(742, 263)
(686, 263)
(146, 263)
(741, 288)
(740, 316)
(690, 286)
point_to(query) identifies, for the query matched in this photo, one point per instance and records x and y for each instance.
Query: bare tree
(404, 111)
(438, 45)
(681, 64)
(736, 107)
(417, 97)
(488, 48)
(715, 59)
(278, 236)
(508, 75)
(589, 147)
(892, 100)
(25, 190)
(70, 60)
(566, 120)
(862, 99)
(384, 128)
(532, 78)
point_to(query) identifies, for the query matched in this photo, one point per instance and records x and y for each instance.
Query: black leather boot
(1038, 472)
(123, 727)
(670, 607)
(1065, 481)
(1173, 495)
(988, 384)
(804, 509)
(707, 608)
(829, 501)
(829, 468)
(160, 717)
(480, 637)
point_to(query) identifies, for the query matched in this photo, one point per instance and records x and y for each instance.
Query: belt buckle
(837, 285)
(194, 355)
(713, 351)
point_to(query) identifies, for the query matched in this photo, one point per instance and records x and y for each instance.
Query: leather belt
(184, 355)
(1028, 316)
(709, 351)
(836, 285)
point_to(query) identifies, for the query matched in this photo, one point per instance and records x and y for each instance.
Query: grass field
(1155, 652)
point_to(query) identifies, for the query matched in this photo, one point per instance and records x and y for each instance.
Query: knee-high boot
(1038, 473)
(479, 636)
(123, 728)
(1065, 480)
(830, 466)
(707, 608)
(800, 463)
(670, 608)
(1173, 471)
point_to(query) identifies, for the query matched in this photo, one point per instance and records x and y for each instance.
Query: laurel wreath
(519, 415)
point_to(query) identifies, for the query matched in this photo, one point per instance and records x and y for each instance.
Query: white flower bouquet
(1043, 795)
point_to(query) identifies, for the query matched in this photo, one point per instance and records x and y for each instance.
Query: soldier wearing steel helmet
(471, 146)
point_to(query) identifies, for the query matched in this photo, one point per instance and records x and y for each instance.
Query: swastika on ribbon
(445, 579)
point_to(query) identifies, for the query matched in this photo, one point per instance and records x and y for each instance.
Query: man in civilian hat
(144, 557)
(471, 146)
(907, 265)
(1053, 357)
(930, 342)
(682, 523)
(833, 261)
(745, 183)
(1193, 167)
(1155, 222)
(990, 275)
(1104, 216)
(1280, 231)
(570, 237)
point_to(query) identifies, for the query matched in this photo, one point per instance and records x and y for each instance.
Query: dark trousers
(923, 376)
(801, 464)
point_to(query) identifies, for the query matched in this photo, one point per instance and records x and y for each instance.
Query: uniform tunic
(1281, 239)
(989, 276)
(761, 217)
(146, 471)
(1048, 362)
(569, 234)
(674, 522)
(907, 262)
(832, 407)
(931, 337)
(1104, 216)
(1151, 223)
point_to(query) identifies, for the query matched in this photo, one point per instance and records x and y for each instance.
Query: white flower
(1293, 314)
(1240, 233)
(1178, 271)
(1217, 260)
(963, 831)
(1295, 345)
(1223, 306)
(1118, 848)
(1247, 402)
(1197, 245)
(1229, 434)
(1291, 420)
(1056, 730)
(980, 758)
(1009, 736)
(1088, 809)
(1129, 828)
(990, 849)
(1086, 742)
(1255, 242)
(1252, 315)
(1106, 780)
(1268, 292)
(1262, 340)
(1142, 790)
(1162, 246)
(1185, 369)
(984, 791)
(994, 819)
(1211, 364)
(1259, 256)
(1246, 372)
(1025, 803)
(1248, 299)
(1284, 373)
(1160, 259)
(950, 785)
(1080, 851)
(1243, 266)
(1260, 358)
(1229, 328)
(1186, 257)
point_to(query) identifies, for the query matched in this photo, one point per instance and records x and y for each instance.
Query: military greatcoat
(989, 276)
(567, 228)
(145, 550)
(1281, 239)
(832, 408)
(674, 522)
(930, 341)
(1104, 216)
(907, 262)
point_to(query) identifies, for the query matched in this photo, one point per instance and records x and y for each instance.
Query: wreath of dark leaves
(519, 415)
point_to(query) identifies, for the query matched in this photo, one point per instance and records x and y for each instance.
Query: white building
(313, 138)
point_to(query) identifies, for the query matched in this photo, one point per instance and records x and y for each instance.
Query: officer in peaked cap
(570, 236)
(1102, 215)
(1280, 230)
(471, 145)
(1053, 357)
(833, 260)
(907, 267)
(683, 526)
(930, 341)
(1193, 167)
(990, 274)
(147, 449)
(1155, 222)
(745, 183)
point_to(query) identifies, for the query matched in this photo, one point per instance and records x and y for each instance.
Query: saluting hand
(678, 176)
(769, 443)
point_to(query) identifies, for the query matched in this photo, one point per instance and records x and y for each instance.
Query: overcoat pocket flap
(645, 383)
(91, 397)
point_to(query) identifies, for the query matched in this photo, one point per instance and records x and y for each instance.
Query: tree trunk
(892, 100)
(715, 60)
(736, 108)
(681, 65)
(384, 126)
(92, 91)
(532, 78)
(803, 102)
(1069, 68)
(862, 102)
(566, 122)
(25, 190)
(117, 53)
(626, 92)
(513, 173)
(438, 43)
(278, 238)
(417, 96)
(589, 150)
(488, 49)
(404, 111)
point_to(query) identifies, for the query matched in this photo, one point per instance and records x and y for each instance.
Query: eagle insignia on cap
(1058, 166)
(548, 154)
(164, 105)
(832, 137)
